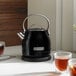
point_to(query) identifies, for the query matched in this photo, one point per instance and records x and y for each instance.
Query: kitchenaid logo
(38, 48)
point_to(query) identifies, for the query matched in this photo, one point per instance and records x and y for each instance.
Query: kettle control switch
(38, 48)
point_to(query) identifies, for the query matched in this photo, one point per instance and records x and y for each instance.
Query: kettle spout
(21, 35)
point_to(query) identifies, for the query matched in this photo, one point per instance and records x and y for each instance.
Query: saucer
(5, 57)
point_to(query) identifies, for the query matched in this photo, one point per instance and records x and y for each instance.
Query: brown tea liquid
(73, 70)
(61, 63)
(1, 49)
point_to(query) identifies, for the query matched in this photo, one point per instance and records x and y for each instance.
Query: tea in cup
(2, 45)
(72, 67)
(61, 60)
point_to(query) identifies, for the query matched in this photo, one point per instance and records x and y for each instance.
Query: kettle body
(36, 44)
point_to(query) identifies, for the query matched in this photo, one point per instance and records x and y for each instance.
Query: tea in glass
(61, 60)
(61, 63)
(72, 67)
(2, 44)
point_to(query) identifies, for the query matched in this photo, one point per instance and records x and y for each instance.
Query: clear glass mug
(2, 45)
(72, 67)
(61, 60)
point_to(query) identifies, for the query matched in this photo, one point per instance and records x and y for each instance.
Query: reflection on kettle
(35, 42)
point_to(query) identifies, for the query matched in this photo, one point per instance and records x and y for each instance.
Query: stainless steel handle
(48, 21)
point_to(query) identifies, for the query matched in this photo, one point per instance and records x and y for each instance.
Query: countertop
(15, 53)
(14, 66)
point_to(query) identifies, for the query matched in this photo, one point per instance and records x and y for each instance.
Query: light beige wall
(74, 25)
(48, 8)
(58, 24)
(74, 11)
(67, 21)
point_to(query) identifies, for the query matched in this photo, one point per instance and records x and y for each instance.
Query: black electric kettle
(35, 42)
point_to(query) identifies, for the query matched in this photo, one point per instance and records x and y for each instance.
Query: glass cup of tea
(2, 45)
(61, 60)
(72, 67)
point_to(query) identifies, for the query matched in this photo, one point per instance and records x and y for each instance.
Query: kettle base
(36, 59)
